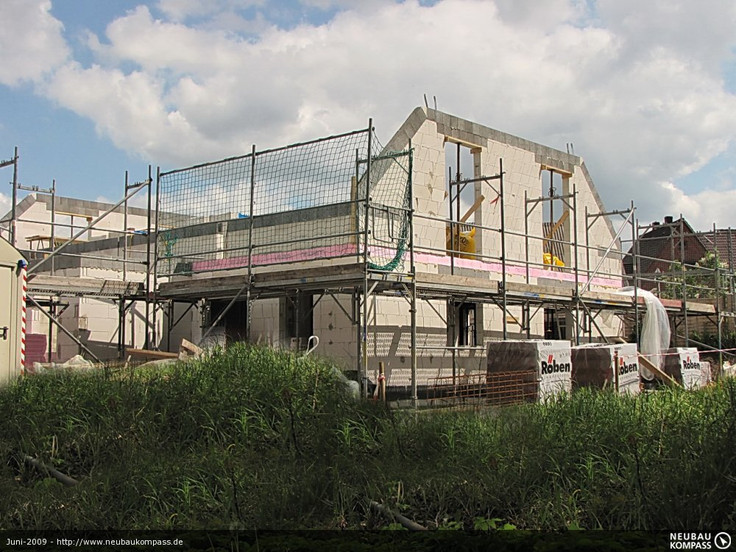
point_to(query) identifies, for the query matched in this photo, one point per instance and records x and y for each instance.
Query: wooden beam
(190, 347)
(473, 208)
(150, 354)
(557, 224)
(657, 372)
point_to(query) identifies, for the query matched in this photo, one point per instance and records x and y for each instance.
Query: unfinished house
(410, 255)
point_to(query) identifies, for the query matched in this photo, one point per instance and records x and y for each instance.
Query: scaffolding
(258, 231)
(336, 219)
(70, 233)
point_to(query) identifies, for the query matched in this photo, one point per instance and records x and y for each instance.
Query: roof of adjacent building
(661, 242)
(722, 242)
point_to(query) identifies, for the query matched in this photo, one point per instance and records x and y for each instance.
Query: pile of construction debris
(187, 351)
(148, 357)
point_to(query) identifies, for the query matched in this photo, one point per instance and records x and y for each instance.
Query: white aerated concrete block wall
(429, 189)
(336, 332)
(600, 235)
(522, 174)
(265, 328)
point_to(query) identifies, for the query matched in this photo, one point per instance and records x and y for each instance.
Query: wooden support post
(382, 382)
(615, 369)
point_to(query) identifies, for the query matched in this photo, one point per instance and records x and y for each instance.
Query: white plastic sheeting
(655, 331)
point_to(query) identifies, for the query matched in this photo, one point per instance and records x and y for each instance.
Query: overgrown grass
(254, 438)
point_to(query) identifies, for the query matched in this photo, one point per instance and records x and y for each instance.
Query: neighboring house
(661, 245)
(722, 242)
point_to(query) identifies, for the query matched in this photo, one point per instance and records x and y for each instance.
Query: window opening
(555, 324)
(297, 319)
(554, 218)
(234, 320)
(460, 199)
(467, 335)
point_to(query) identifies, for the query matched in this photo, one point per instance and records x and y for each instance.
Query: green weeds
(254, 438)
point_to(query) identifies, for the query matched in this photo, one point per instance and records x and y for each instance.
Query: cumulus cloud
(31, 41)
(639, 93)
(5, 204)
(700, 33)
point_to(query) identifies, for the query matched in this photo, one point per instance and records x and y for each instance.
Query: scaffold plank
(96, 287)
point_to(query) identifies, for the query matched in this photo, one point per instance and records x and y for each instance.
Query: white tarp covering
(655, 331)
(75, 363)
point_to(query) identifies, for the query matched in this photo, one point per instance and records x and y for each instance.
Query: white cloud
(129, 109)
(5, 204)
(634, 85)
(31, 41)
(701, 209)
(699, 32)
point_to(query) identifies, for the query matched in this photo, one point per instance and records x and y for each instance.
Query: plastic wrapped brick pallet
(601, 365)
(549, 361)
(684, 366)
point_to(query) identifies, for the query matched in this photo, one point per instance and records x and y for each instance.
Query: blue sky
(91, 89)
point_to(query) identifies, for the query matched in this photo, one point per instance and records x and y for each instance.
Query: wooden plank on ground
(188, 349)
(147, 353)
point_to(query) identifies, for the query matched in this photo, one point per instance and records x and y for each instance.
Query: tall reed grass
(255, 438)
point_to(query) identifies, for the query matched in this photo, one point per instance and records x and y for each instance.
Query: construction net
(301, 203)
(388, 212)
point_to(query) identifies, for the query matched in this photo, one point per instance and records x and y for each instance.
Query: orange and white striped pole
(23, 265)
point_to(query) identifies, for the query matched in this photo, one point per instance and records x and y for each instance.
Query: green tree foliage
(703, 280)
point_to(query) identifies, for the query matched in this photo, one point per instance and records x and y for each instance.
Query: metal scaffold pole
(684, 284)
(53, 222)
(363, 373)
(503, 248)
(413, 272)
(13, 239)
(635, 247)
(719, 311)
(575, 255)
(149, 337)
(251, 206)
(154, 267)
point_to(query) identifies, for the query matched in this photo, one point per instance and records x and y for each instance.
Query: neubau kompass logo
(700, 541)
